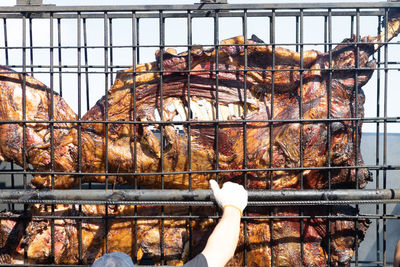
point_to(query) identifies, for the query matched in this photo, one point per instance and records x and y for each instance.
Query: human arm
(221, 244)
(396, 260)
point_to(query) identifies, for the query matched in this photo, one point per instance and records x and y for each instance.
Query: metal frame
(55, 14)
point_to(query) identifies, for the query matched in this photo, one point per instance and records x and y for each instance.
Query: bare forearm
(396, 262)
(222, 243)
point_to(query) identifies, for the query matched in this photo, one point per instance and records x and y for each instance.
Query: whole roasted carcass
(268, 242)
(243, 116)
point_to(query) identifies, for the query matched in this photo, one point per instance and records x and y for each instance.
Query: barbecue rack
(82, 52)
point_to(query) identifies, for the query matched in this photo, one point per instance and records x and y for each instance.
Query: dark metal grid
(272, 41)
(52, 13)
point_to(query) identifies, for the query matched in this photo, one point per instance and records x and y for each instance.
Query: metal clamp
(213, 1)
(29, 2)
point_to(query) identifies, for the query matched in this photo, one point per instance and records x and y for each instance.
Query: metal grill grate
(86, 47)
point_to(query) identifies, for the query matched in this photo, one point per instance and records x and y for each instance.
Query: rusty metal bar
(200, 195)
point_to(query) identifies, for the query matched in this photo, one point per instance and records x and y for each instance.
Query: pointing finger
(214, 186)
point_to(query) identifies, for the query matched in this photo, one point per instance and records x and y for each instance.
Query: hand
(231, 194)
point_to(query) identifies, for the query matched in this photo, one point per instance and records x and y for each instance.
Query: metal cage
(78, 50)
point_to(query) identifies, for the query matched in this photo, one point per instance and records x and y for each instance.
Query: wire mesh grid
(160, 214)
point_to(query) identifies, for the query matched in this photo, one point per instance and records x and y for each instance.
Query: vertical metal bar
(161, 111)
(24, 161)
(79, 80)
(59, 55)
(162, 46)
(6, 41)
(12, 206)
(134, 62)
(245, 96)
(301, 96)
(51, 109)
(86, 64)
(106, 216)
(31, 45)
(25, 164)
(51, 117)
(297, 33)
(329, 93)
(111, 51)
(106, 115)
(106, 96)
(352, 26)
(328, 34)
(357, 62)
(301, 130)
(385, 109)
(272, 41)
(377, 141)
(189, 141)
(244, 24)
(137, 41)
(216, 47)
(7, 64)
(79, 125)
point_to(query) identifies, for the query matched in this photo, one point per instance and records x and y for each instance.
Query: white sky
(176, 34)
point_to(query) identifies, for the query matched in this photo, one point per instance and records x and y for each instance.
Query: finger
(214, 186)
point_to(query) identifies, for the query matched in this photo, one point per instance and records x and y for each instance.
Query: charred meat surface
(25, 99)
(165, 95)
(34, 236)
(216, 105)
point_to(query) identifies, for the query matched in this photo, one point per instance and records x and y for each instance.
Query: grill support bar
(200, 195)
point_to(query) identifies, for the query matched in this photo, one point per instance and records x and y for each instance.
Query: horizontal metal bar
(197, 14)
(199, 7)
(229, 123)
(370, 167)
(288, 203)
(200, 195)
(18, 216)
(102, 72)
(209, 45)
(176, 71)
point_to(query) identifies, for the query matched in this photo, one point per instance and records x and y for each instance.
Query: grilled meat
(34, 235)
(270, 97)
(25, 99)
(245, 87)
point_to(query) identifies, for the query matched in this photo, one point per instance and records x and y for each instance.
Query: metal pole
(201, 195)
